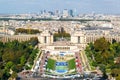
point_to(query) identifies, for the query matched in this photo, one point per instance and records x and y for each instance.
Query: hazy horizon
(81, 6)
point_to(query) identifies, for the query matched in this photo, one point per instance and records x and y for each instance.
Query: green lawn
(71, 64)
(51, 64)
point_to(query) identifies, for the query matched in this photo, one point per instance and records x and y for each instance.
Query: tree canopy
(15, 56)
(61, 34)
(27, 31)
(104, 54)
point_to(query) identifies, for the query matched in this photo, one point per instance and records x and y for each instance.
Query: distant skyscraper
(75, 12)
(65, 13)
(57, 13)
(41, 12)
(44, 11)
(71, 13)
(50, 12)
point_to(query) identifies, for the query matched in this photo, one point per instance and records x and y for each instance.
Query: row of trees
(57, 36)
(16, 56)
(61, 34)
(50, 19)
(27, 31)
(103, 54)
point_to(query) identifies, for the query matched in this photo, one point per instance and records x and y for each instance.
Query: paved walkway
(79, 63)
(42, 63)
(85, 61)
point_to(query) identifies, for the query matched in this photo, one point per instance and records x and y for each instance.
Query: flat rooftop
(62, 43)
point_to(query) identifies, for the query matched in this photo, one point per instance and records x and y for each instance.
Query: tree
(105, 55)
(9, 64)
(60, 35)
(14, 75)
(118, 77)
(62, 30)
(102, 54)
(27, 31)
(1, 74)
(14, 55)
(22, 60)
(101, 44)
(34, 41)
(114, 41)
(115, 72)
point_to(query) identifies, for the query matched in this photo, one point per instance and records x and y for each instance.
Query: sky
(80, 6)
